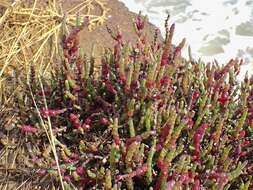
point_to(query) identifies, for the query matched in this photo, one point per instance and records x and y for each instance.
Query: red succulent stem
(52, 112)
(196, 184)
(197, 138)
(75, 121)
(164, 166)
(29, 129)
(138, 172)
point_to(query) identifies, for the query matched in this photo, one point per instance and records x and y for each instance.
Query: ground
(118, 15)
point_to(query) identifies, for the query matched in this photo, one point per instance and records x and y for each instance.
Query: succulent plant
(149, 119)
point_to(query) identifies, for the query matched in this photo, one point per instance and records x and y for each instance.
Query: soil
(118, 15)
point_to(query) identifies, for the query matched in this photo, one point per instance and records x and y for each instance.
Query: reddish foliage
(150, 84)
(46, 93)
(80, 170)
(195, 95)
(95, 105)
(75, 120)
(70, 43)
(110, 87)
(223, 98)
(75, 156)
(105, 70)
(177, 51)
(165, 58)
(140, 171)
(68, 160)
(242, 154)
(51, 113)
(87, 182)
(41, 172)
(67, 178)
(220, 74)
(29, 129)
(122, 78)
(104, 121)
(220, 178)
(88, 121)
(196, 184)
(62, 170)
(163, 135)
(165, 80)
(190, 122)
(116, 139)
(164, 166)
(199, 134)
(166, 50)
(245, 143)
(119, 37)
(238, 151)
(132, 140)
(242, 134)
(170, 184)
(185, 178)
(139, 22)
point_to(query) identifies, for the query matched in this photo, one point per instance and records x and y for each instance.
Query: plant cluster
(149, 119)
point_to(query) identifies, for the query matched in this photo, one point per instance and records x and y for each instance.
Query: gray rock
(245, 29)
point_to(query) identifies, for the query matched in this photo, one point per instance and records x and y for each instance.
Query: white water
(215, 29)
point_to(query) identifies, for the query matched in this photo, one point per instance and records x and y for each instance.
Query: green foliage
(148, 119)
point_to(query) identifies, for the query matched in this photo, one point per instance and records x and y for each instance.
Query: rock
(245, 29)
(214, 46)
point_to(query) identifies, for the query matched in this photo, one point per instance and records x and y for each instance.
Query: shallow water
(220, 29)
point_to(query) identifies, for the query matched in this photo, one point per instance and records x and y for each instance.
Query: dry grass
(30, 32)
